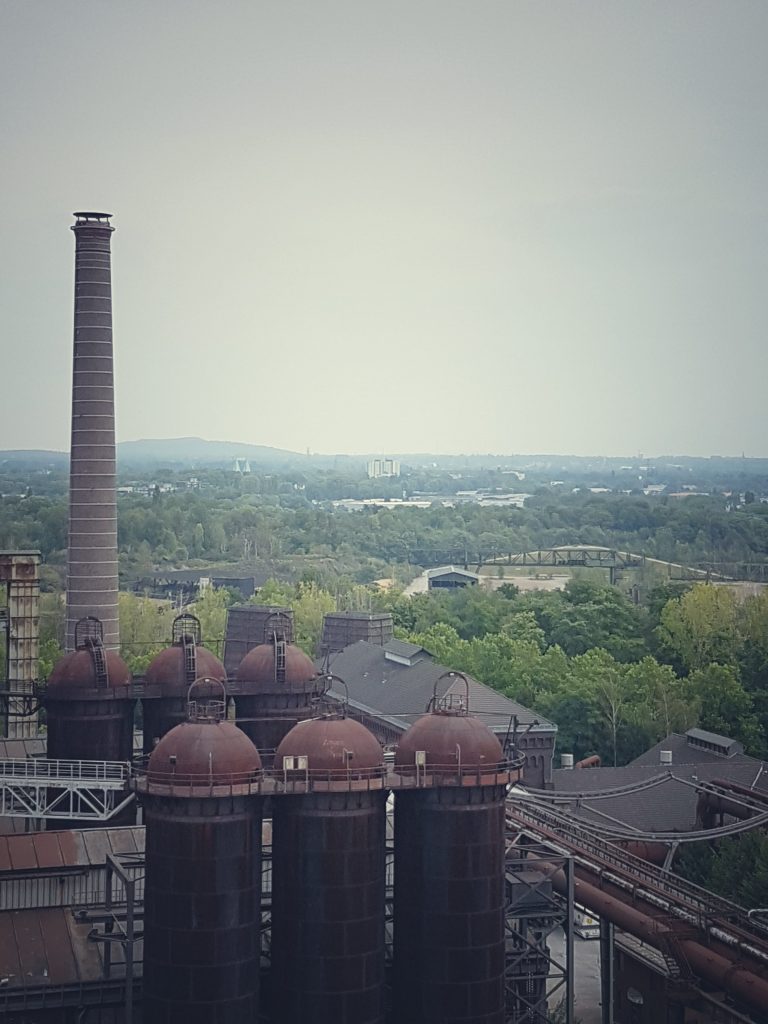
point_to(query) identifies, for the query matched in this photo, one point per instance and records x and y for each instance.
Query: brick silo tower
(92, 553)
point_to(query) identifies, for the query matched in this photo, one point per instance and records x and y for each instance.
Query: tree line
(277, 532)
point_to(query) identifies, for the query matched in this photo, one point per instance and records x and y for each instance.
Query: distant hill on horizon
(201, 451)
(189, 452)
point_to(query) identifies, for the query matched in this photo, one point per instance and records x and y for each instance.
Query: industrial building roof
(695, 747)
(24, 749)
(445, 570)
(669, 805)
(399, 692)
(48, 948)
(44, 941)
(402, 649)
(86, 848)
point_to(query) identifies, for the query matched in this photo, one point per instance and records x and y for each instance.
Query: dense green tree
(701, 627)
(658, 700)
(145, 628)
(522, 626)
(724, 706)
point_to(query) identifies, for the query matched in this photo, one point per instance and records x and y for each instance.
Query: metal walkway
(77, 790)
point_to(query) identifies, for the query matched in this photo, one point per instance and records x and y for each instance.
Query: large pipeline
(712, 803)
(654, 853)
(720, 970)
(755, 795)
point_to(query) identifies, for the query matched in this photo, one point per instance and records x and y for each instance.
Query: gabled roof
(400, 693)
(445, 570)
(686, 752)
(403, 649)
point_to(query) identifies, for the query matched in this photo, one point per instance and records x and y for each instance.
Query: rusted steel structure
(449, 946)
(276, 686)
(248, 626)
(202, 891)
(328, 875)
(706, 936)
(169, 676)
(88, 701)
(340, 629)
(719, 966)
(89, 707)
(92, 551)
(20, 574)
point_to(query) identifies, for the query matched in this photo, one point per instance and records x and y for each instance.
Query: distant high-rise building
(383, 468)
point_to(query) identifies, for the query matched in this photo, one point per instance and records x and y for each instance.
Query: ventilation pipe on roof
(665, 757)
(589, 762)
(566, 760)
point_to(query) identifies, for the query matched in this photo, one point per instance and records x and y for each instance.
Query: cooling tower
(92, 554)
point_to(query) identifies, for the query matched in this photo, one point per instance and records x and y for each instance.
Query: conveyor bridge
(78, 790)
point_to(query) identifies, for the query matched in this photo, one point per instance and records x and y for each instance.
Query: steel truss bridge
(587, 556)
(75, 790)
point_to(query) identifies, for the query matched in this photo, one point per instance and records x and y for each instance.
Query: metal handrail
(64, 770)
(178, 781)
(697, 898)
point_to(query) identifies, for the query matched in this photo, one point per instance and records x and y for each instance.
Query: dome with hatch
(331, 745)
(89, 667)
(176, 667)
(206, 749)
(448, 740)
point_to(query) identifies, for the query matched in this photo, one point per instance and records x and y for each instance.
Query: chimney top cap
(84, 215)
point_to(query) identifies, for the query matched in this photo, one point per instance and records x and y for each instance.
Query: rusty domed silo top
(89, 667)
(173, 669)
(331, 744)
(442, 741)
(275, 667)
(203, 753)
(168, 671)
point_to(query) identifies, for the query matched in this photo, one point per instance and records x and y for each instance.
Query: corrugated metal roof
(97, 845)
(47, 849)
(23, 750)
(48, 947)
(21, 850)
(50, 850)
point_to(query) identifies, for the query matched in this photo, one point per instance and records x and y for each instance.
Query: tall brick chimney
(92, 554)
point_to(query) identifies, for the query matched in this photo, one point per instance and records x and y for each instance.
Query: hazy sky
(400, 225)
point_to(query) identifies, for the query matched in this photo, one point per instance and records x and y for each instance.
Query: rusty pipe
(753, 794)
(654, 853)
(589, 762)
(709, 804)
(721, 970)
